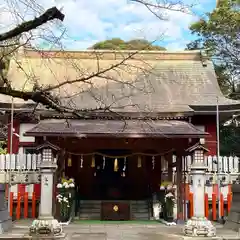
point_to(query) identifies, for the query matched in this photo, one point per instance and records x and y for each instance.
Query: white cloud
(87, 21)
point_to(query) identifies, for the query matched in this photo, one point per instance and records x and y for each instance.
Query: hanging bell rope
(104, 162)
(81, 164)
(93, 161)
(153, 162)
(125, 164)
(124, 167)
(139, 164)
(115, 165)
(163, 164)
(69, 162)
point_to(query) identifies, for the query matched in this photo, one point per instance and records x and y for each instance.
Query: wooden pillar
(179, 187)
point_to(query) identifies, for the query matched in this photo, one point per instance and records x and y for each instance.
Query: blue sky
(90, 21)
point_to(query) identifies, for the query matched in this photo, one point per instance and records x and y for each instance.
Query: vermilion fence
(211, 208)
(22, 207)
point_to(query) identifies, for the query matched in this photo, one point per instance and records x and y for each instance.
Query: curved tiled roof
(149, 81)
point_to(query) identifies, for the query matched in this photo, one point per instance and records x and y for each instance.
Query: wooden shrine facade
(119, 153)
(117, 165)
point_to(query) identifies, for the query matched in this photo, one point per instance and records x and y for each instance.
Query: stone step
(139, 206)
(140, 211)
(139, 202)
(92, 216)
(89, 207)
(90, 202)
(90, 211)
(140, 216)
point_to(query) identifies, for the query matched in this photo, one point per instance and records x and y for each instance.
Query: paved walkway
(118, 232)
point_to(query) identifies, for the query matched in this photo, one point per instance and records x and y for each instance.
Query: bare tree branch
(98, 73)
(157, 8)
(49, 15)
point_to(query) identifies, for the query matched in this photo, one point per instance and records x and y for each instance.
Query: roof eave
(212, 109)
(116, 135)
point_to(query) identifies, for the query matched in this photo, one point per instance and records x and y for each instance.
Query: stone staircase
(140, 210)
(90, 210)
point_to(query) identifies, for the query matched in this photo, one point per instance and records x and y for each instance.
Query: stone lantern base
(46, 229)
(199, 226)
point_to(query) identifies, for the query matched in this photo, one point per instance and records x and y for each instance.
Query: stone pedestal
(198, 225)
(46, 227)
(5, 220)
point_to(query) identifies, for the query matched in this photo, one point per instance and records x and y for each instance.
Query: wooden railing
(19, 162)
(227, 164)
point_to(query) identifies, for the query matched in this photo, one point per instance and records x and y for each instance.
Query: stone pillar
(5, 219)
(46, 225)
(198, 225)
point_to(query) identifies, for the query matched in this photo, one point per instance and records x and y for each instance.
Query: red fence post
(206, 205)
(33, 205)
(18, 210)
(191, 205)
(221, 205)
(25, 205)
(229, 200)
(11, 204)
(214, 206)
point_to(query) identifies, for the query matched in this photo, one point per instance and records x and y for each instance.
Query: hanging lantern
(139, 164)
(93, 161)
(81, 162)
(153, 162)
(115, 165)
(69, 162)
(104, 162)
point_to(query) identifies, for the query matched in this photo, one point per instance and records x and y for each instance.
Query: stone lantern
(46, 225)
(198, 225)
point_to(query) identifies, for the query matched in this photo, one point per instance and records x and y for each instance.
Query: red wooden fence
(211, 208)
(19, 208)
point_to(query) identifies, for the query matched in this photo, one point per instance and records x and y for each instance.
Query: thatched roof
(148, 81)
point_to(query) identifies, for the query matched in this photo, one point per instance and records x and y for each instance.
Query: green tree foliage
(219, 33)
(119, 44)
(230, 140)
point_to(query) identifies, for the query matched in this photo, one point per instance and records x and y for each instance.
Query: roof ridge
(113, 54)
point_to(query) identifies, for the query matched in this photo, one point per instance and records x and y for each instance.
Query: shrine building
(128, 122)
